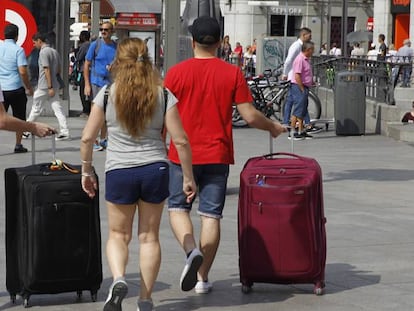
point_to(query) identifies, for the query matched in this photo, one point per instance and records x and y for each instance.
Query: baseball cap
(205, 30)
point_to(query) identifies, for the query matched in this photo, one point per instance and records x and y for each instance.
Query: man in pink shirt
(303, 79)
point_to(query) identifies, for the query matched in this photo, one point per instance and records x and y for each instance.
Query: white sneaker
(189, 275)
(63, 136)
(203, 287)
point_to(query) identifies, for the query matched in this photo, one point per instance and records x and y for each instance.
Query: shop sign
(400, 6)
(282, 11)
(136, 19)
(15, 13)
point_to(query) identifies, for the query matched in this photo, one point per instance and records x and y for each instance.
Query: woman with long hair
(136, 167)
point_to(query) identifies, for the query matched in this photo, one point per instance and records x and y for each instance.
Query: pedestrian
(136, 165)
(335, 50)
(98, 60)
(225, 49)
(14, 79)
(405, 57)
(357, 50)
(10, 123)
(206, 88)
(382, 49)
(84, 43)
(305, 34)
(324, 49)
(48, 85)
(302, 81)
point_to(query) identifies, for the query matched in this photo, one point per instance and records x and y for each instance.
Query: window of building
(277, 25)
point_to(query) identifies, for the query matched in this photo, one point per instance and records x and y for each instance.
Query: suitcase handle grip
(278, 154)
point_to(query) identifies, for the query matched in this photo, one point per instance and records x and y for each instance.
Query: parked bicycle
(269, 96)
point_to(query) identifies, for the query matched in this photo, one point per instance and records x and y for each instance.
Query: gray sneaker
(117, 292)
(189, 275)
(145, 305)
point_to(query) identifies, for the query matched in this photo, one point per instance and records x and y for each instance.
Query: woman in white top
(137, 169)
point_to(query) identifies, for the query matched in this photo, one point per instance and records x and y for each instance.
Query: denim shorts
(148, 183)
(211, 180)
(300, 101)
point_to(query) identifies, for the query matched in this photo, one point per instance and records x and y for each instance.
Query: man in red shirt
(206, 88)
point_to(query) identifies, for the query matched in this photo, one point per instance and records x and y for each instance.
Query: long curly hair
(137, 86)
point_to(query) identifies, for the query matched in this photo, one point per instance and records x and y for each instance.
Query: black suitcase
(53, 237)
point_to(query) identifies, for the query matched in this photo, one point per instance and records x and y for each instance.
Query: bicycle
(269, 97)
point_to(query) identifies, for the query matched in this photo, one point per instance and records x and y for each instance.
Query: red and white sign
(136, 19)
(370, 24)
(15, 13)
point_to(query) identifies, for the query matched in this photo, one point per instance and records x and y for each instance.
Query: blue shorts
(300, 101)
(211, 180)
(128, 185)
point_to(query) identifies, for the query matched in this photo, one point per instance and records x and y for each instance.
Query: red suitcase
(281, 222)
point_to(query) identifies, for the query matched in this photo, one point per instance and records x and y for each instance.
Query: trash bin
(349, 103)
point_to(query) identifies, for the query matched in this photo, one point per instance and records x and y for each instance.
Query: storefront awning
(135, 6)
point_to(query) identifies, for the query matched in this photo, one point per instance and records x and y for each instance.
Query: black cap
(205, 30)
(11, 31)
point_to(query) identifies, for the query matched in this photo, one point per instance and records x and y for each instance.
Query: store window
(277, 25)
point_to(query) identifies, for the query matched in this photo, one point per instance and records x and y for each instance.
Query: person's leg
(58, 110)
(149, 215)
(120, 220)
(182, 227)
(213, 185)
(209, 243)
(288, 106)
(39, 97)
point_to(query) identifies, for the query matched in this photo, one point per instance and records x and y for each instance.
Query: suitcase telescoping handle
(34, 148)
(271, 142)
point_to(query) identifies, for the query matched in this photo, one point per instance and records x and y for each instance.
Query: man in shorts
(14, 79)
(301, 82)
(206, 88)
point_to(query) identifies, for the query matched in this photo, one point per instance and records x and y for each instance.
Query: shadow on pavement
(379, 174)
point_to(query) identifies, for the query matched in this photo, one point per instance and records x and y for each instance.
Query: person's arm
(86, 77)
(179, 138)
(292, 53)
(298, 79)
(25, 79)
(10, 123)
(257, 120)
(48, 76)
(90, 132)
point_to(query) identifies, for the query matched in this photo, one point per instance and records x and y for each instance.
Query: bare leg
(209, 242)
(120, 220)
(150, 249)
(182, 227)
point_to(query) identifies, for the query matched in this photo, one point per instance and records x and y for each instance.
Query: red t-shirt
(206, 89)
(408, 117)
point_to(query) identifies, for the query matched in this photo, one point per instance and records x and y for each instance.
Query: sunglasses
(104, 29)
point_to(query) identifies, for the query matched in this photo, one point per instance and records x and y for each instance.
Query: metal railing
(380, 76)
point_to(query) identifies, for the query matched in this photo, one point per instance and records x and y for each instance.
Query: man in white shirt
(405, 56)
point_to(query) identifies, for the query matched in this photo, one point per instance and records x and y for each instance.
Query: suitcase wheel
(318, 288)
(79, 295)
(13, 298)
(26, 302)
(94, 296)
(246, 289)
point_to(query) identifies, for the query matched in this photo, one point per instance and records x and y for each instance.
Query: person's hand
(87, 90)
(42, 129)
(51, 92)
(89, 184)
(190, 189)
(284, 77)
(277, 129)
(29, 91)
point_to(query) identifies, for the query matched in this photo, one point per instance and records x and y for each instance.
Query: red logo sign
(15, 13)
